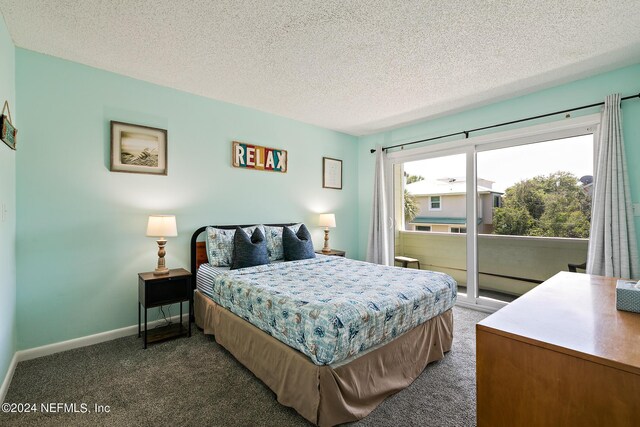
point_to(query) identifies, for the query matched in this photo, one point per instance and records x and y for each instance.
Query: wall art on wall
(8, 133)
(257, 157)
(331, 173)
(138, 149)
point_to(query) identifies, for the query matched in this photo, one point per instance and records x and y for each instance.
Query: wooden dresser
(561, 355)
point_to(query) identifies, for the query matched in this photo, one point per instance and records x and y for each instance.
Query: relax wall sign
(257, 157)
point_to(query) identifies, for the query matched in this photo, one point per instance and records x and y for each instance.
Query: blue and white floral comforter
(332, 308)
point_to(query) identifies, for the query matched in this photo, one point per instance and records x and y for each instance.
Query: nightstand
(156, 291)
(334, 252)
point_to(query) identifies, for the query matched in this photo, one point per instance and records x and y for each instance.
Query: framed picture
(8, 133)
(331, 173)
(138, 149)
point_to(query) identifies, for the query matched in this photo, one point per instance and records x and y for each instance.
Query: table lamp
(161, 226)
(326, 221)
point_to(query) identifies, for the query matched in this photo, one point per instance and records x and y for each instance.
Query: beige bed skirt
(327, 395)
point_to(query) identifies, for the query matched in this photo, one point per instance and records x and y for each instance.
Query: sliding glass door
(430, 205)
(500, 213)
(535, 213)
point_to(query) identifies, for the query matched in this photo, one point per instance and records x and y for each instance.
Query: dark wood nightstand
(334, 252)
(156, 291)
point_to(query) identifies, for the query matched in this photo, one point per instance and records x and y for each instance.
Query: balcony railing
(508, 266)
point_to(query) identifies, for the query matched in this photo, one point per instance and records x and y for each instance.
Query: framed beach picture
(331, 173)
(8, 133)
(138, 149)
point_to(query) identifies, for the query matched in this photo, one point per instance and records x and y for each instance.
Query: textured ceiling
(354, 66)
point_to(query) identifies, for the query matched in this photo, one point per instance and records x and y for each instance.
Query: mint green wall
(581, 92)
(8, 198)
(81, 228)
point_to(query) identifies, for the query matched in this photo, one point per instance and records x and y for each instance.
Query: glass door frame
(404, 156)
(566, 128)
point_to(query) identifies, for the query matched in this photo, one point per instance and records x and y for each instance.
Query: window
(434, 203)
(544, 188)
(544, 196)
(419, 187)
(518, 204)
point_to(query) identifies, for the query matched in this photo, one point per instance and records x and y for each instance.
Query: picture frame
(138, 149)
(331, 173)
(8, 133)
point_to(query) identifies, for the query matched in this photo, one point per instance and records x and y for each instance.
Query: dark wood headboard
(199, 249)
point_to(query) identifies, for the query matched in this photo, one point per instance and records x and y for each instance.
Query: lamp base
(161, 271)
(326, 249)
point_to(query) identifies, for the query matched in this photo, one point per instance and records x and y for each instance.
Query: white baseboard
(48, 349)
(8, 377)
(476, 307)
(45, 350)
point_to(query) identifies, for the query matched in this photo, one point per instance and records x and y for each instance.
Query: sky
(507, 166)
(134, 143)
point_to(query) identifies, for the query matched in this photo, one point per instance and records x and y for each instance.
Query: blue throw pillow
(274, 240)
(298, 245)
(249, 251)
(220, 244)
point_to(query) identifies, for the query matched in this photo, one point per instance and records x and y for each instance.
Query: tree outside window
(554, 205)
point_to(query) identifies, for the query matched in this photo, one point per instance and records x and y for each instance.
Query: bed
(332, 337)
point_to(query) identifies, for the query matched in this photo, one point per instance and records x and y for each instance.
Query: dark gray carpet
(195, 382)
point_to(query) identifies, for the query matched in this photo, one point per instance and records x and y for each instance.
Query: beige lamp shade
(162, 226)
(327, 220)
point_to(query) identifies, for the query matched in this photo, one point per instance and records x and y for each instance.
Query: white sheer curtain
(613, 247)
(378, 248)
